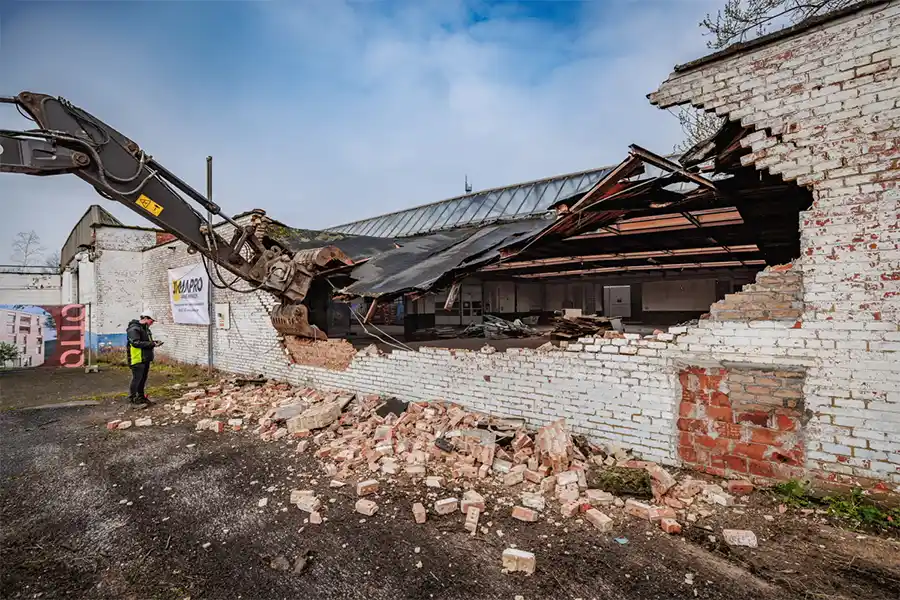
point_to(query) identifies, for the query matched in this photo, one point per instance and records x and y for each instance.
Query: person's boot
(138, 403)
(148, 400)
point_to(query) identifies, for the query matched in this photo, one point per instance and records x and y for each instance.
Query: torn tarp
(357, 247)
(421, 262)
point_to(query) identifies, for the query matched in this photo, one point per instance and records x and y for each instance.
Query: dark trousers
(139, 374)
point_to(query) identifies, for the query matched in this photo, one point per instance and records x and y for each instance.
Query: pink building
(25, 331)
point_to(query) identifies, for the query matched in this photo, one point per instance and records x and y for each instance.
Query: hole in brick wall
(661, 253)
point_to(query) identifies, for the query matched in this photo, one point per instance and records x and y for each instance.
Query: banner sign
(189, 295)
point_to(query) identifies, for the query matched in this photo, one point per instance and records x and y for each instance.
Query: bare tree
(27, 248)
(740, 20)
(53, 260)
(697, 126)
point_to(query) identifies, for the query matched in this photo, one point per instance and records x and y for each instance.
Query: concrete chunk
(315, 417)
(739, 537)
(309, 504)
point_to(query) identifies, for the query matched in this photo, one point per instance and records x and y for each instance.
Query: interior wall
(684, 295)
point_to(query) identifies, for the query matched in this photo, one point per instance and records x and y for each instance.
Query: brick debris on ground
(171, 509)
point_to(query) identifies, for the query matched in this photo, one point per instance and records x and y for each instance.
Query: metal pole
(209, 292)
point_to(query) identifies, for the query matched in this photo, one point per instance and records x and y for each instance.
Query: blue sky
(323, 112)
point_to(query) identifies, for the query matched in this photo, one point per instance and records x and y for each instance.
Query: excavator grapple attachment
(293, 319)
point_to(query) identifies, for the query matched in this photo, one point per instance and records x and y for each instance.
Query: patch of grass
(854, 510)
(860, 512)
(622, 480)
(793, 493)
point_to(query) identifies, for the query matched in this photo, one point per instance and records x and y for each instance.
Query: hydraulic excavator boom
(70, 140)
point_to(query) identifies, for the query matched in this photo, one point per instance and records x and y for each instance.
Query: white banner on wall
(189, 295)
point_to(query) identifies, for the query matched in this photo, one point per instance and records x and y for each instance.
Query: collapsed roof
(646, 214)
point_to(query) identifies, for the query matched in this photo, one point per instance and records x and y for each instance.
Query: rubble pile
(573, 327)
(378, 445)
(273, 410)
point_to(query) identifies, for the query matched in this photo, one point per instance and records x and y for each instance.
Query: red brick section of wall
(162, 238)
(742, 421)
(776, 295)
(328, 354)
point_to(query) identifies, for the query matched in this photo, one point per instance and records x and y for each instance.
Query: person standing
(140, 355)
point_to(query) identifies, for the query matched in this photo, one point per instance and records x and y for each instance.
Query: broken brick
(445, 506)
(570, 509)
(124, 425)
(567, 478)
(524, 514)
(670, 526)
(567, 493)
(113, 424)
(600, 497)
(598, 519)
(419, 513)
(366, 507)
(471, 524)
(637, 509)
(657, 513)
(548, 484)
(533, 476)
(513, 478)
(533, 500)
(315, 517)
(364, 488)
(740, 487)
(518, 560)
(471, 499)
(501, 466)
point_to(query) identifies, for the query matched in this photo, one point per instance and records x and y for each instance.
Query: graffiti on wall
(42, 335)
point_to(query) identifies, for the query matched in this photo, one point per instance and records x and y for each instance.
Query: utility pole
(209, 288)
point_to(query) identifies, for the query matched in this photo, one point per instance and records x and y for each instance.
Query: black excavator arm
(70, 140)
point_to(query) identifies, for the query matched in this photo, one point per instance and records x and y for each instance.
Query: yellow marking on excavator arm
(149, 205)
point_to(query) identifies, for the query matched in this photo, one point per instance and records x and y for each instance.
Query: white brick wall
(29, 288)
(826, 103)
(119, 278)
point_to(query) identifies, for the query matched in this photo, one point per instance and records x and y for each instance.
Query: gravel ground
(93, 514)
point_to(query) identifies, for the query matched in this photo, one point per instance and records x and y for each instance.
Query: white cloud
(358, 113)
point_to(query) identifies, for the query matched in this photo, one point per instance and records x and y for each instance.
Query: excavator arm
(70, 140)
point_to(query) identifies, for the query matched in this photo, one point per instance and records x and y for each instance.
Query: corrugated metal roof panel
(520, 201)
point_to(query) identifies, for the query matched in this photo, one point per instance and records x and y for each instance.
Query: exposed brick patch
(327, 354)
(776, 295)
(742, 421)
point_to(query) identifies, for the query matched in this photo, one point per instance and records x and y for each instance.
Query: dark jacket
(140, 343)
